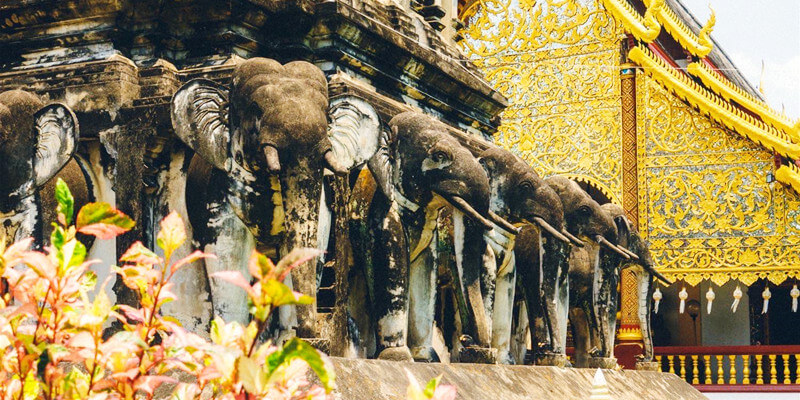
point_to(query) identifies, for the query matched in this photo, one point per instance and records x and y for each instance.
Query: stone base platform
(375, 379)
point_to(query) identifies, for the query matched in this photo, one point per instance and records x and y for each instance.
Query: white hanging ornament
(657, 296)
(795, 293)
(737, 295)
(766, 294)
(683, 295)
(710, 296)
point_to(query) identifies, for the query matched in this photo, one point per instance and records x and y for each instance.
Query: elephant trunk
(605, 243)
(301, 186)
(549, 228)
(469, 211)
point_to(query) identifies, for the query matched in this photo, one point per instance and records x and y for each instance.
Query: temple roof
(710, 81)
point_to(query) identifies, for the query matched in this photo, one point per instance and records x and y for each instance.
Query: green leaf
(88, 281)
(298, 348)
(31, 387)
(251, 375)
(66, 203)
(172, 234)
(73, 254)
(430, 388)
(279, 294)
(140, 255)
(103, 221)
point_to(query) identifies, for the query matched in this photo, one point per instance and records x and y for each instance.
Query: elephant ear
(56, 140)
(200, 119)
(354, 131)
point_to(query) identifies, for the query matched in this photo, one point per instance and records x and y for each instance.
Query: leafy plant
(51, 327)
(432, 390)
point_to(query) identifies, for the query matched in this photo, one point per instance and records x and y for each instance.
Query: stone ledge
(375, 379)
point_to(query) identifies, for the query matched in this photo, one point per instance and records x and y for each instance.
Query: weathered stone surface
(375, 379)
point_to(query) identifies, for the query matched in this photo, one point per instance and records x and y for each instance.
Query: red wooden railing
(734, 368)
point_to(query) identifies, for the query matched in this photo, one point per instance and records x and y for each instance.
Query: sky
(754, 30)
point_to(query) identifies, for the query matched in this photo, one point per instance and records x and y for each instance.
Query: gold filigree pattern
(708, 210)
(519, 26)
(557, 62)
(704, 203)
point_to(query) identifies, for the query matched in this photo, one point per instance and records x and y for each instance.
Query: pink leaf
(294, 259)
(444, 392)
(14, 251)
(235, 278)
(40, 263)
(103, 221)
(149, 383)
(131, 313)
(259, 265)
(103, 231)
(82, 339)
(197, 255)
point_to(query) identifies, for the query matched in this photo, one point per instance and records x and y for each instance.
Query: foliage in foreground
(52, 318)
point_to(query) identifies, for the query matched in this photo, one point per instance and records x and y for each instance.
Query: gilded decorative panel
(557, 61)
(708, 208)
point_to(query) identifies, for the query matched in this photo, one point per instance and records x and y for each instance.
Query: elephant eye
(585, 210)
(440, 156)
(526, 185)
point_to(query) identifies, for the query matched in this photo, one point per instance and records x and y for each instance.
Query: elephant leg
(520, 338)
(301, 187)
(470, 246)
(489, 284)
(503, 312)
(390, 271)
(579, 321)
(22, 222)
(325, 225)
(422, 297)
(232, 243)
(645, 285)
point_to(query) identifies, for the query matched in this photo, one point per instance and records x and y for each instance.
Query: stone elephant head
(267, 138)
(36, 142)
(522, 197)
(419, 169)
(584, 220)
(643, 268)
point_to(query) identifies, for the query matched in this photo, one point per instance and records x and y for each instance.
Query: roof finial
(704, 38)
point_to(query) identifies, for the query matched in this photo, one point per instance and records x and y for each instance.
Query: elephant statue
(256, 181)
(544, 265)
(418, 170)
(644, 270)
(521, 197)
(36, 142)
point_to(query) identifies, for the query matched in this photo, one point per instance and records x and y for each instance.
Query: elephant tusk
(628, 252)
(333, 164)
(573, 239)
(549, 228)
(657, 274)
(500, 221)
(469, 211)
(611, 246)
(272, 158)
